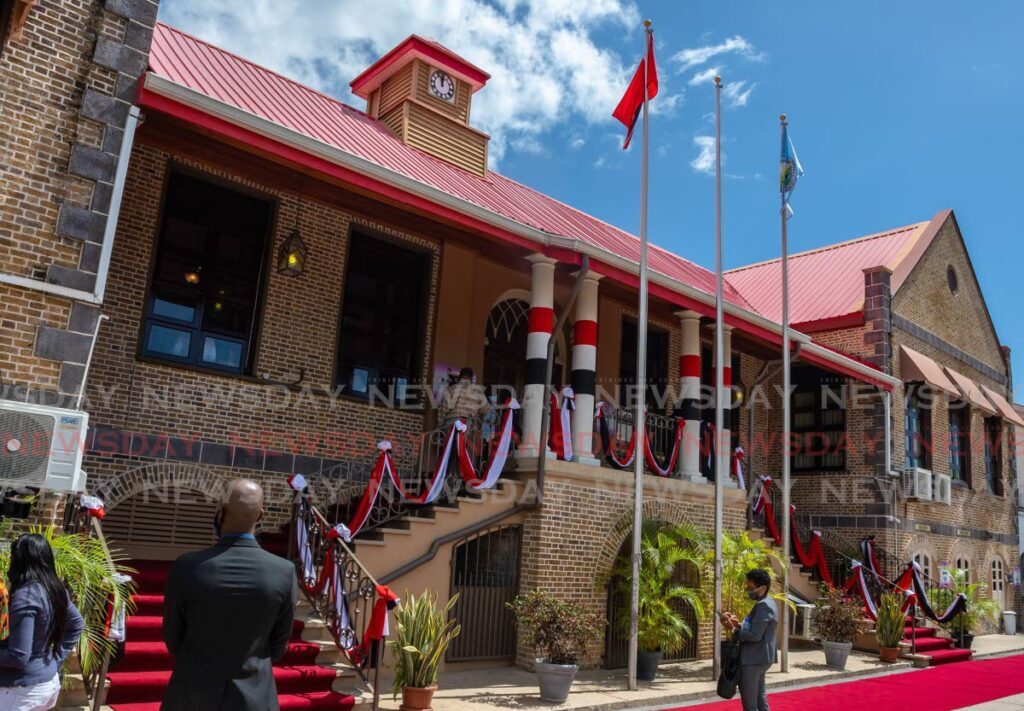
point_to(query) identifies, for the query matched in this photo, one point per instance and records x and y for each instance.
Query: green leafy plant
(837, 617)
(558, 629)
(92, 579)
(891, 620)
(740, 555)
(420, 639)
(661, 624)
(981, 609)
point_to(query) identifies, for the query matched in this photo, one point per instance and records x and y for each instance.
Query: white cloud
(737, 93)
(705, 160)
(546, 68)
(577, 142)
(706, 76)
(599, 163)
(697, 56)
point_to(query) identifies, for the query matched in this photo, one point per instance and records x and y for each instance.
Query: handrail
(78, 519)
(338, 587)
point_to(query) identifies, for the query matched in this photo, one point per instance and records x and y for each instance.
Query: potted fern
(889, 626)
(420, 639)
(662, 626)
(560, 632)
(981, 610)
(837, 619)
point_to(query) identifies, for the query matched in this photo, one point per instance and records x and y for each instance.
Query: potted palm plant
(981, 610)
(420, 639)
(837, 618)
(662, 625)
(889, 626)
(560, 632)
(98, 584)
(740, 555)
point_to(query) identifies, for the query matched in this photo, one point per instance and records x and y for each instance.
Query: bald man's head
(241, 507)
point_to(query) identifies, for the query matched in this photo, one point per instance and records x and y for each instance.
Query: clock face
(442, 86)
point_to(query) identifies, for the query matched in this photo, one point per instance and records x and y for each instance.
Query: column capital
(538, 258)
(591, 275)
(688, 315)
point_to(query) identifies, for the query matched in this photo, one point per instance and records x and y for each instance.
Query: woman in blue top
(45, 626)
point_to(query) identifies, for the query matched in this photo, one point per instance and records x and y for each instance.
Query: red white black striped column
(725, 397)
(542, 321)
(690, 397)
(584, 369)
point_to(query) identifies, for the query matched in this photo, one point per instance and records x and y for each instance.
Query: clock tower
(423, 91)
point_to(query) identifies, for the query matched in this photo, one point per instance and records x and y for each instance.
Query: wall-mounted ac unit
(42, 446)
(943, 489)
(917, 483)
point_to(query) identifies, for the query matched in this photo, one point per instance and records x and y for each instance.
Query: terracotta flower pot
(889, 654)
(417, 699)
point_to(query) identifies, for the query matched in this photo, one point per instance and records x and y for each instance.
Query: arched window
(998, 582)
(964, 564)
(924, 562)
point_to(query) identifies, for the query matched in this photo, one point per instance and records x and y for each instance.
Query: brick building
(289, 280)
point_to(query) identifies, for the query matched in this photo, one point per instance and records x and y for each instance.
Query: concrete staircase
(932, 649)
(801, 582)
(422, 536)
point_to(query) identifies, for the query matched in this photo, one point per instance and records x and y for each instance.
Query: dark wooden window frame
(994, 433)
(151, 319)
(960, 442)
(918, 428)
(804, 384)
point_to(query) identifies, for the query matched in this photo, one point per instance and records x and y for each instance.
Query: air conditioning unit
(42, 446)
(917, 483)
(943, 489)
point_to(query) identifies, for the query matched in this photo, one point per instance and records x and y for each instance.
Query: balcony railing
(661, 431)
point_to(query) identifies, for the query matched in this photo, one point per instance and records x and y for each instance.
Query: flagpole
(786, 426)
(721, 448)
(639, 420)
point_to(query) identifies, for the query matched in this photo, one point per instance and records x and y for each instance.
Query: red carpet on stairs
(138, 679)
(933, 689)
(939, 649)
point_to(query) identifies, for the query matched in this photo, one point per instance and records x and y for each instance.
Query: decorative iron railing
(346, 482)
(339, 588)
(96, 660)
(661, 431)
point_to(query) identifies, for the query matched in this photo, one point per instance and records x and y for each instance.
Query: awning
(971, 392)
(1003, 406)
(918, 366)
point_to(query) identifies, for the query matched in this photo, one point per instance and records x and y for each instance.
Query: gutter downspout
(110, 230)
(545, 418)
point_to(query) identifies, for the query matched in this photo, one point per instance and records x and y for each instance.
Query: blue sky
(897, 109)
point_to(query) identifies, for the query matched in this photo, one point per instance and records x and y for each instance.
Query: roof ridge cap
(832, 246)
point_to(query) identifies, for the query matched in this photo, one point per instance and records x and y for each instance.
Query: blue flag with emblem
(789, 170)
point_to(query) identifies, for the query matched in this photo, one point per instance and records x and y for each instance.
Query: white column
(688, 466)
(584, 369)
(725, 397)
(542, 321)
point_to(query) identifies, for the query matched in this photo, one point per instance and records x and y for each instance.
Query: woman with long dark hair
(44, 627)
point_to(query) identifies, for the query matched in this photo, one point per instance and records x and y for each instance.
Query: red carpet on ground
(138, 679)
(944, 688)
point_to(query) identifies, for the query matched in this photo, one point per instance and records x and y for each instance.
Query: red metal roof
(234, 80)
(827, 284)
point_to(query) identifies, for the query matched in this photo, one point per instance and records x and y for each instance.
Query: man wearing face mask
(756, 639)
(228, 614)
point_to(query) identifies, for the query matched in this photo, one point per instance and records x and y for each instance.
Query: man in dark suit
(228, 614)
(756, 637)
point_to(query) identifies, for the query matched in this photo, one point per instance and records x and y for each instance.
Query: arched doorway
(616, 653)
(161, 524)
(485, 575)
(505, 348)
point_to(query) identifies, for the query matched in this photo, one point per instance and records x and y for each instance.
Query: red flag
(632, 101)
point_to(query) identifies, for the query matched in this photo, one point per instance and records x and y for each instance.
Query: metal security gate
(485, 574)
(616, 650)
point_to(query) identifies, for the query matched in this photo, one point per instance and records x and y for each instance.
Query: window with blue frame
(207, 273)
(960, 441)
(994, 455)
(918, 426)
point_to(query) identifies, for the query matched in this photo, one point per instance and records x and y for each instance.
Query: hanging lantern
(291, 257)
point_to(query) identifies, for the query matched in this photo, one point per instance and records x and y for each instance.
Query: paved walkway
(1010, 703)
(514, 688)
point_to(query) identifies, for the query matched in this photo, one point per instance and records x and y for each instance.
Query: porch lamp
(291, 257)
